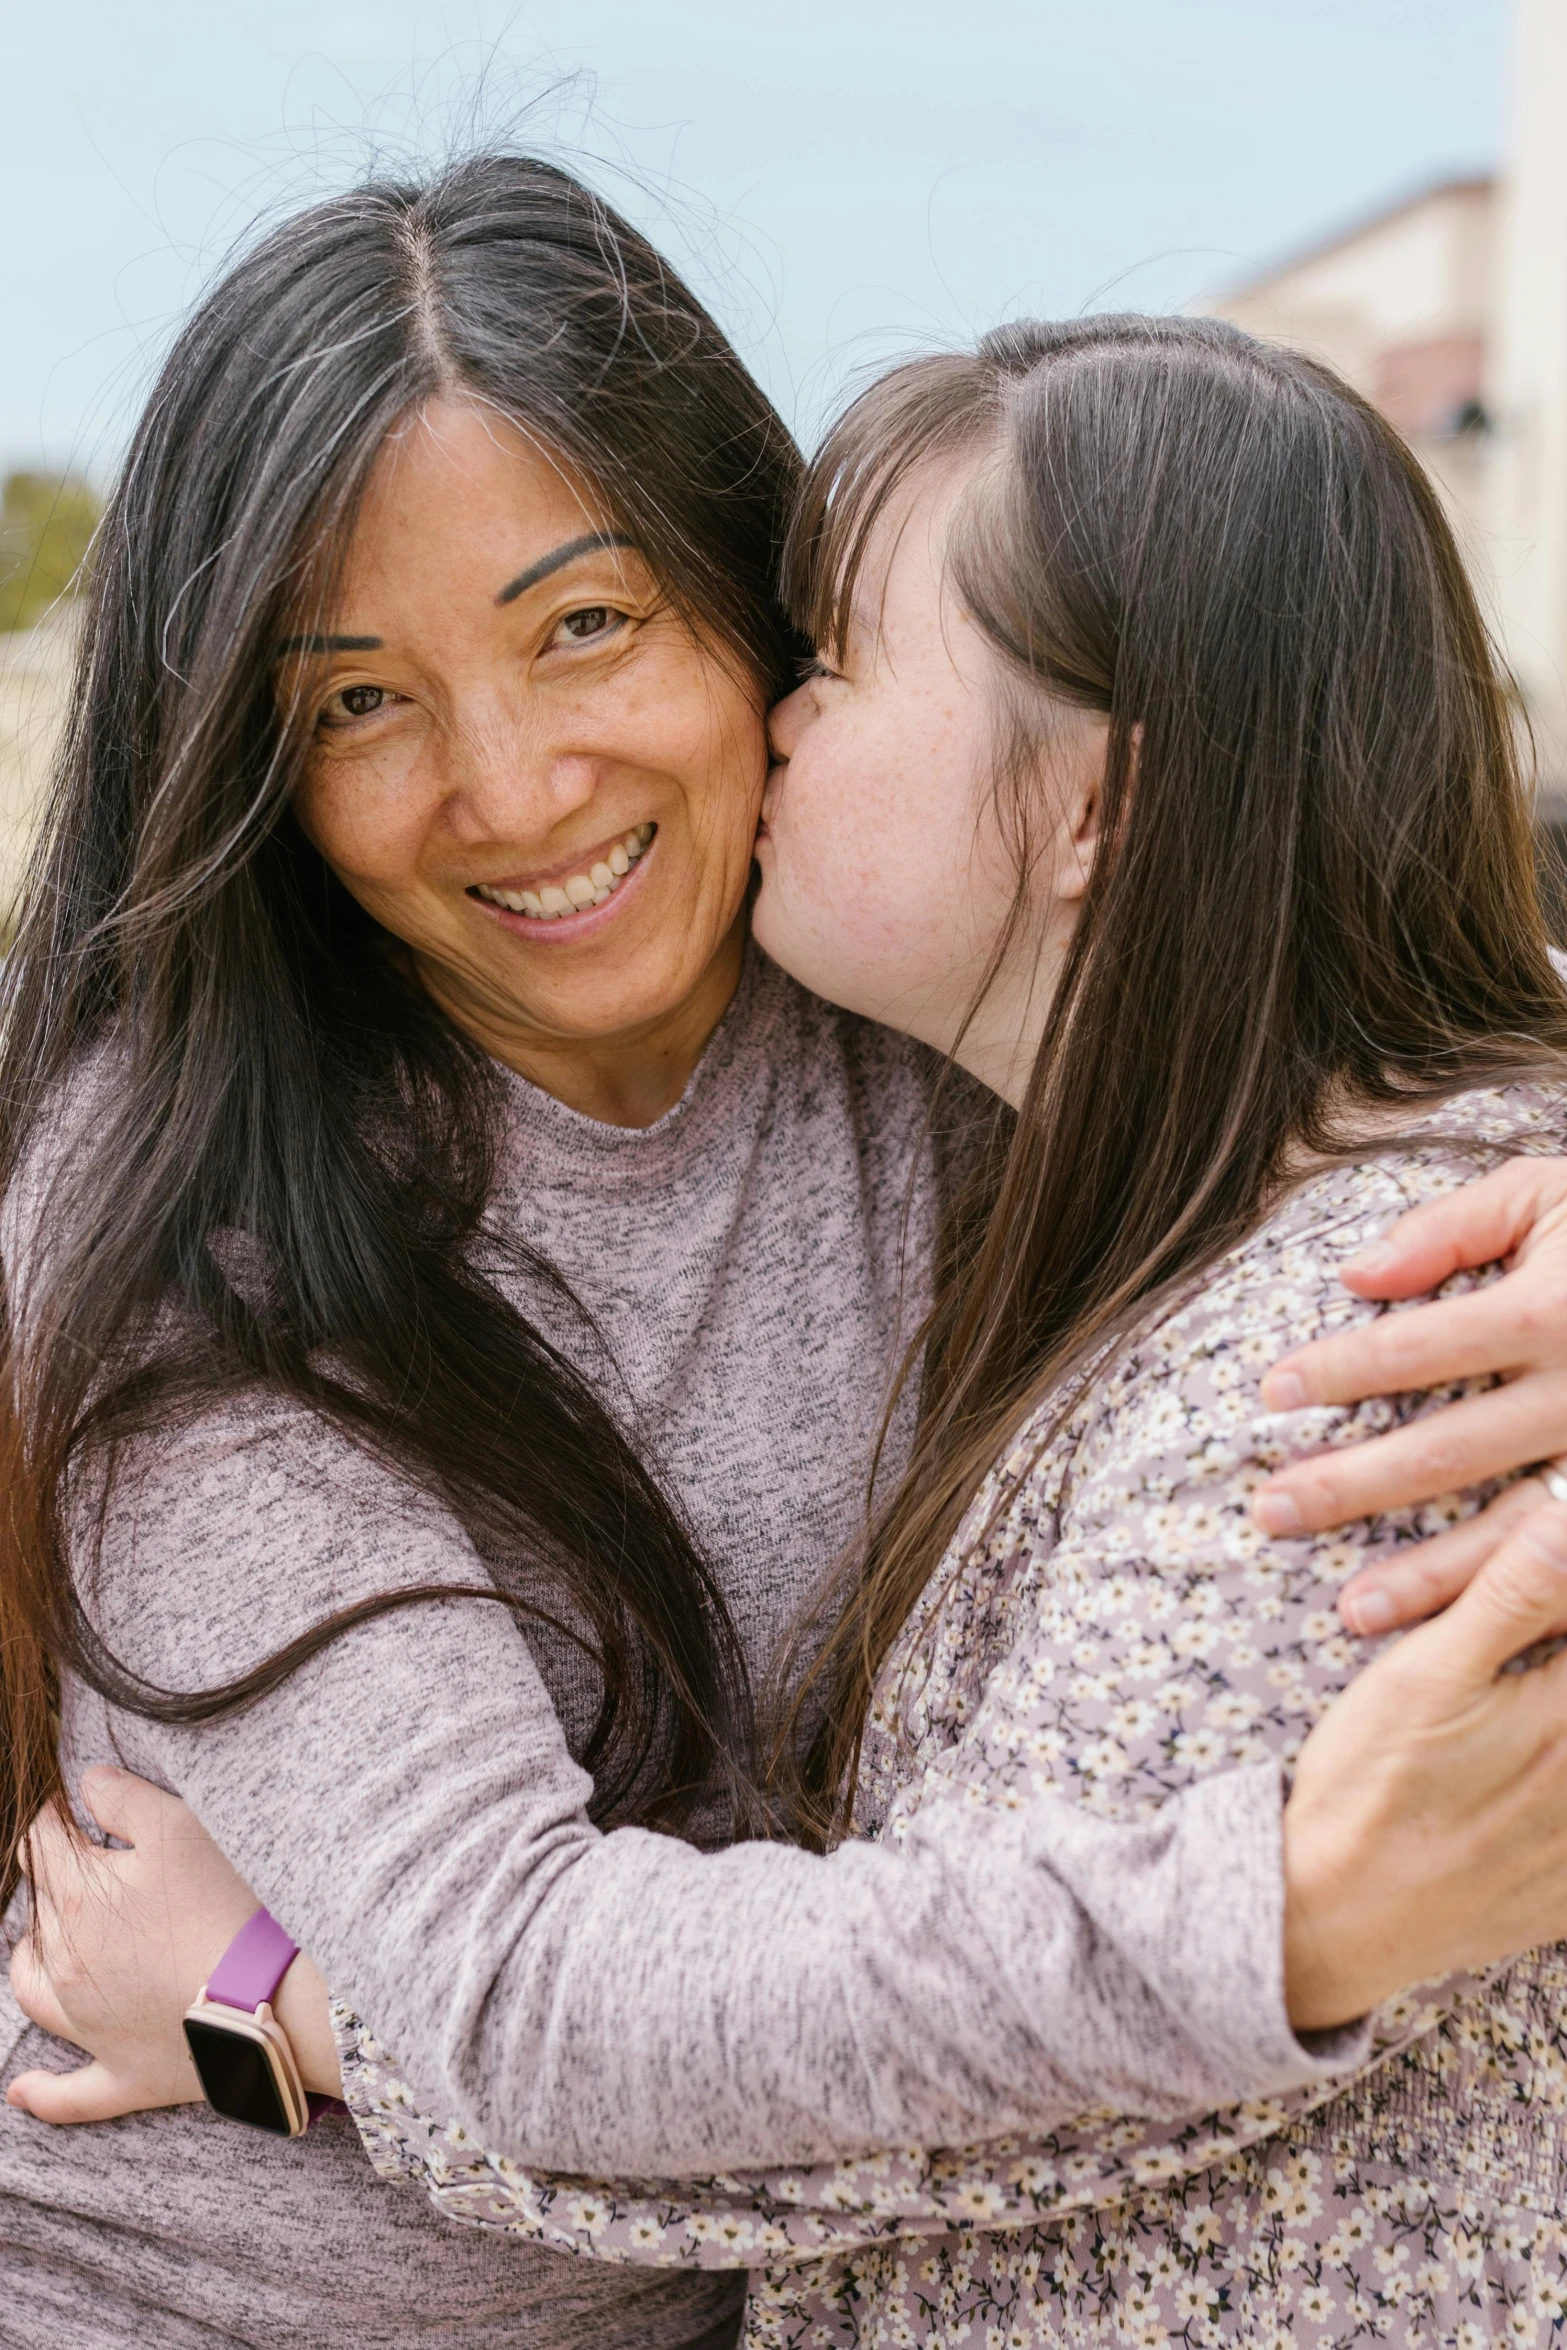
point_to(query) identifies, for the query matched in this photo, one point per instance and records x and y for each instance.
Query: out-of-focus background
(1381, 181)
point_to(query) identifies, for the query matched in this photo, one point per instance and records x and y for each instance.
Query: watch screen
(236, 2077)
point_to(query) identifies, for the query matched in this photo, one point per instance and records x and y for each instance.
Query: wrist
(240, 2044)
(1335, 1961)
(303, 2008)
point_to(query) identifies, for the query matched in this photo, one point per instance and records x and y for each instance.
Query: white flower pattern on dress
(1107, 1627)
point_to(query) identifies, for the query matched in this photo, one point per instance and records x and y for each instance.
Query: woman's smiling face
(523, 764)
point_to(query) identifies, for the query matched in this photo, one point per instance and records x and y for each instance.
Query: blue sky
(840, 177)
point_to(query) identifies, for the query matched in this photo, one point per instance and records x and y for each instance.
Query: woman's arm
(1416, 1779)
(406, 1806)
(1431, 1797)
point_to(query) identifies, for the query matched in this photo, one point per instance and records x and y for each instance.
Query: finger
(33, 1990)
(1412, 1584)
(1518, 1597)
(1462, 1445)
(1506, 1326)
(1475, 1225)
(91, 2094)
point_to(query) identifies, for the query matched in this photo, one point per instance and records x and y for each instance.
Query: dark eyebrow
(561, 556)
(330, 644)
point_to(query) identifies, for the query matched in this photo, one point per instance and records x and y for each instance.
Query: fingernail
(1277, 1513)
(1283, 1391)
(1367, 1612)
(1373, 1260)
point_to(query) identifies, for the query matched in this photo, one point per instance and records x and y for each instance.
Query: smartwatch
(240, 2050)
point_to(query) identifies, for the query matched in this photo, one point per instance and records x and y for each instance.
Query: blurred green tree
(46, 526)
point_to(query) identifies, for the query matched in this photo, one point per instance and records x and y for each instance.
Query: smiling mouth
(594, 884)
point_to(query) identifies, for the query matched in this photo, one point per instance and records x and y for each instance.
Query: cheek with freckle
(829, 909)
(377, 843)
(867, 886)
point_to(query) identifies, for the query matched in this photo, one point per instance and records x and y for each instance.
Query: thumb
(91, 2094)
(130, 1809)
(1518, 1597)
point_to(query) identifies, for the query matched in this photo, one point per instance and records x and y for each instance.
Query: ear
(1081, 817)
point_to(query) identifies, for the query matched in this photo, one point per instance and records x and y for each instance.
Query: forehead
(458, 490)
(902, 587)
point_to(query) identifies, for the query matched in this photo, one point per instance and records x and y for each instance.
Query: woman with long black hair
(452, 1282)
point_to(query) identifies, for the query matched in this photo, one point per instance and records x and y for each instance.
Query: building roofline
(1470, 183)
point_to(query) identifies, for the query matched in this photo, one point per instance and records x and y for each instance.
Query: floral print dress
(1109, 1626)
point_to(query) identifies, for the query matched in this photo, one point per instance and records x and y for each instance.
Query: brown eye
(354, 701)
(591, 621)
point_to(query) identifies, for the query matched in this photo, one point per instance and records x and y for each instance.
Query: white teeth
(580, 890)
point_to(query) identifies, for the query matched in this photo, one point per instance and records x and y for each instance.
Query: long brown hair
(281, 1093)
(1315, 892)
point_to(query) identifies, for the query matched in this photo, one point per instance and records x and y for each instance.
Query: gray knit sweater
(409, 1804)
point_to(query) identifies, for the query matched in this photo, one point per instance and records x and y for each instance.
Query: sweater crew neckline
(734, 1057)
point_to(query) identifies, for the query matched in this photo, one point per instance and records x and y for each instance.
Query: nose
(786, 721)
(510, 786)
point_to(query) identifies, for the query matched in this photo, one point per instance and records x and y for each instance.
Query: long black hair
(277, 1075)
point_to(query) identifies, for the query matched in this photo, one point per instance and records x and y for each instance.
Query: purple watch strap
(253, 1965)
(248, 1974)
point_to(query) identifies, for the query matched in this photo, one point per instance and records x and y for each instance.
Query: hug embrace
(721, 1182)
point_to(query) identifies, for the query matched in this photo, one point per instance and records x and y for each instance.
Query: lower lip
(567, 927)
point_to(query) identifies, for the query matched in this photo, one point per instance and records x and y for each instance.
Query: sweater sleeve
(405, 1803)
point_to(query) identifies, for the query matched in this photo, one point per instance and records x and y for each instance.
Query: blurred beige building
(35, 667)
(1449, 310)
(1400, 304)
(1525, 503)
